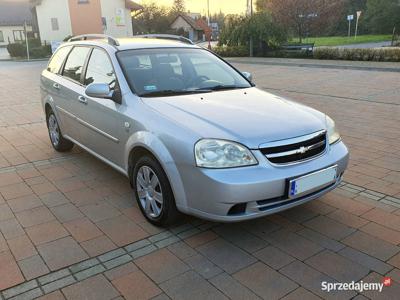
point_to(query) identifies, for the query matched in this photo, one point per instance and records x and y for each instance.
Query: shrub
(36, 50)
(40, 52)
(231, 51)
(34, 43)
(16, 50)
(372, 54)
(287, 54)
(266, 33)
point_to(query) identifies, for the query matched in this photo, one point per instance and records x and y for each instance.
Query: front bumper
(212, 193)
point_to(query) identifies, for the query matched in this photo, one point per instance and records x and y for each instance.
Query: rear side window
(76, 60)
(100, 69)
(58, 59)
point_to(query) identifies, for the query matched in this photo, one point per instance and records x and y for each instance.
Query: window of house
(83, 1)
(1, 36)
(54, 24)
(100, 69)
(75, 62)
(18, 35)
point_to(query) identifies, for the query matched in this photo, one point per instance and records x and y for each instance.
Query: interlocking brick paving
(69, 227)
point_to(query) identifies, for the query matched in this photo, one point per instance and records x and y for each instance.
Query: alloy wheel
(54, 130)
(149, 191)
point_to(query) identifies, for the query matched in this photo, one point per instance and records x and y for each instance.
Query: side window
(58, 59)
(100, 69)
(75, 62)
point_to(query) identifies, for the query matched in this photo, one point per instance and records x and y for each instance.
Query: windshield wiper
(222, 87)
(166, 93)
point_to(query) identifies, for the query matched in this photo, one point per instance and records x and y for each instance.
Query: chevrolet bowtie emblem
(303, 149)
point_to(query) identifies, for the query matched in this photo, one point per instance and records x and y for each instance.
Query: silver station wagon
(192, 133)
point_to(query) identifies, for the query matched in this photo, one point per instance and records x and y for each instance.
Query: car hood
(248, 116)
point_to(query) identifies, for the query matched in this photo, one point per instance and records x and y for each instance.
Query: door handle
(82, 99)
(56, 86)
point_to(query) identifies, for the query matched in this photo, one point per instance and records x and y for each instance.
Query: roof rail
(165, 37)
(112, 41)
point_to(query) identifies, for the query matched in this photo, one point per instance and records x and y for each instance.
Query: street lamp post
(208, 11)
(358, 17)
(26, 39)
(251, 37)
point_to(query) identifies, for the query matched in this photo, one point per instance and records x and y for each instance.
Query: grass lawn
(344, 40)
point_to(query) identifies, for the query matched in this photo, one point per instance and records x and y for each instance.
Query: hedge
(367, 54)
(231, 51)
(36, 50)
(16, 50)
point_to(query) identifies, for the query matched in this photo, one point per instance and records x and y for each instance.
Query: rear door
(70, 102)
(50, 80)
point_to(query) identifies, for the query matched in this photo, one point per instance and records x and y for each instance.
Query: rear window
(58, 59)
(76, 60)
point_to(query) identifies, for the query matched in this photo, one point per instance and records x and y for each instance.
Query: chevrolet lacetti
(191, 132)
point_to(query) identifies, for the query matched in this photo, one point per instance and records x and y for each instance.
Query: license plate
(312, 182)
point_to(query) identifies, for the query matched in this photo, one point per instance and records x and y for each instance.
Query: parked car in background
(192, 133)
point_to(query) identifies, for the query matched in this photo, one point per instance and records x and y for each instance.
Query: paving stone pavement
(69, 228)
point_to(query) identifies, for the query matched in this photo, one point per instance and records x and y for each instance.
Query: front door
(105, 126)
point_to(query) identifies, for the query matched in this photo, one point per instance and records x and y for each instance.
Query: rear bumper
(211, 194)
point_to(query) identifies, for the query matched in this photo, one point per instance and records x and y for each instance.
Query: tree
(261, 5)
(178, 6)
(382, 15)
(350, 8)
(153, 19)
(218, 18)
(266, 33)
(304, 16)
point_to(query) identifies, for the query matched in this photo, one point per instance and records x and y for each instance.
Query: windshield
(174, 71)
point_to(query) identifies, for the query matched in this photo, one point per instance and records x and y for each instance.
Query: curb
(24, 60)
(314, 65)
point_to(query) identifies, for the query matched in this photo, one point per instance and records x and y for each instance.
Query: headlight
(212, 153)
(333, 134)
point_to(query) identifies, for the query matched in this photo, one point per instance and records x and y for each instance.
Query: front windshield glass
(174, 71)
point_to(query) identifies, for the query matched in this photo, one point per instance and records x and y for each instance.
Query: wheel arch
(142, 143)
(48, 106)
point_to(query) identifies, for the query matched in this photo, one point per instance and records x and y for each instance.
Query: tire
(58, 142)
(153, 192)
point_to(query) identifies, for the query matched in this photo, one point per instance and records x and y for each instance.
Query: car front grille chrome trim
(295, 150)
(301, 150)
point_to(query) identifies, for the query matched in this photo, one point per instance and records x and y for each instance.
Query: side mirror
(99, 90)
(248, 76)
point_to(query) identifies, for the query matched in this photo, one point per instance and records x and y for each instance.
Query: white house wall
(49, 9)
(8, 33)
(109, 12)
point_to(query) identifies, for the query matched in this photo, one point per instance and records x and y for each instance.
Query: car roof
(136, 43)
(143, 43)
